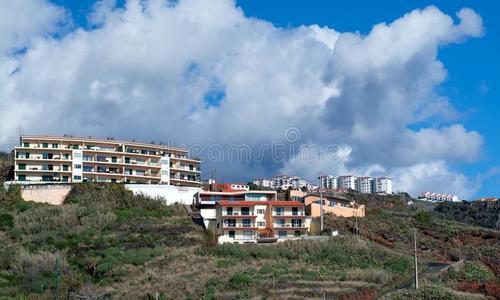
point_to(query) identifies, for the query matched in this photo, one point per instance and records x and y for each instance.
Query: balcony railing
(238, 213)
(239, 225)
(288, 213)
(288, 225)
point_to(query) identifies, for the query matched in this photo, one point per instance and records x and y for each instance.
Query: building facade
(437, 197)
(365, 185)
(50, 159)
(329, 182)
(347, 182)
(332, 204)
(384, 185)
(260, 221)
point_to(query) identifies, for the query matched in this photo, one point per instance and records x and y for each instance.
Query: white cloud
(144, 69)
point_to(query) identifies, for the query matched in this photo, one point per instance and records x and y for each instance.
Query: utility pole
(321, 203)
(58, 275)
(416, 262)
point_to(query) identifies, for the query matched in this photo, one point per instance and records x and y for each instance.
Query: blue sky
(210, 99)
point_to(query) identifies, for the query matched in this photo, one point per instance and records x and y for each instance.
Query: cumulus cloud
(150, 71)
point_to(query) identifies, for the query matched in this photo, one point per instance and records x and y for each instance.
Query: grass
(114, 244)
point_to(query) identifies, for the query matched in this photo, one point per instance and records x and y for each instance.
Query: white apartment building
(364, 185)
(384, 185)
(285, 182)
(329, 182)
(52, 159)
(347, 182)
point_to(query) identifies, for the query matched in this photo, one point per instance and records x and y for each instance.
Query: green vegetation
(106, 242)
(473, 213)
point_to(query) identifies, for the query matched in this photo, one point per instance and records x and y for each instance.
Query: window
(231, 234)
(297, 233)
(21, 166)
(245, 211)
(280, 223)
(230, 223)
(295, 211)
(127, 160)
(229, 211)
(78, 166)
(21, 177)
(65, 156)
(261, 211)
(75, 147)
(27, 155)
(45, 145)
(87, 169)
(279, 211)
(100, 158)
(47, 178)
(247, 234)
(77, 177)
(113, 159)
(282, 234)
(296, 223)
(77, 155)
(26, 145)
(261, 224)
(247, 223)
(55, 146)
(65, 179)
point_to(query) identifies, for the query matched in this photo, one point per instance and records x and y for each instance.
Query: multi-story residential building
(365, 185)
(260, 221)
(437, 197)
(50, 159)
(384, 185)
(284, 182)
(205, 201)
(347, 182)
(229, 187)
(329, 182)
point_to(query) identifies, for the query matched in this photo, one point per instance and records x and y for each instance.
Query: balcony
(239, 225)
(288, 214)
(289, 225)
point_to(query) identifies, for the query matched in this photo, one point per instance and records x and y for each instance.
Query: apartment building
(329, 182)
(206, 202)
(384, 185)
(365, 185)
(260, 221)
(347, 182)
(52, 159)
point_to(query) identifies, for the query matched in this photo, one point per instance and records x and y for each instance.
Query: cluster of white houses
(364, 185)
(437, 197)
(285, 182)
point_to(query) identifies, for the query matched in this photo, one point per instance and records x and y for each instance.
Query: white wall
(172, 194)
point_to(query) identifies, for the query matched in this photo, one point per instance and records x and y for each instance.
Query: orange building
(336, 205)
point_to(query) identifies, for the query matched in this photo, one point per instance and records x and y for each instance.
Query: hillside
(439, 240)
(107, 243)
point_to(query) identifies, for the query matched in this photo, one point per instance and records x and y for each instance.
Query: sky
(406, 89)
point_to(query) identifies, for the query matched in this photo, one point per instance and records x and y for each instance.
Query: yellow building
(50, 159)
(336, 205)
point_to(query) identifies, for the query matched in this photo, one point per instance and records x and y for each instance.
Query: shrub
(423, 217)
(10, 196)
(241, 280)
(39, 268)
(6, 221)
(113, 196)
(399, 265)
(476, 271)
